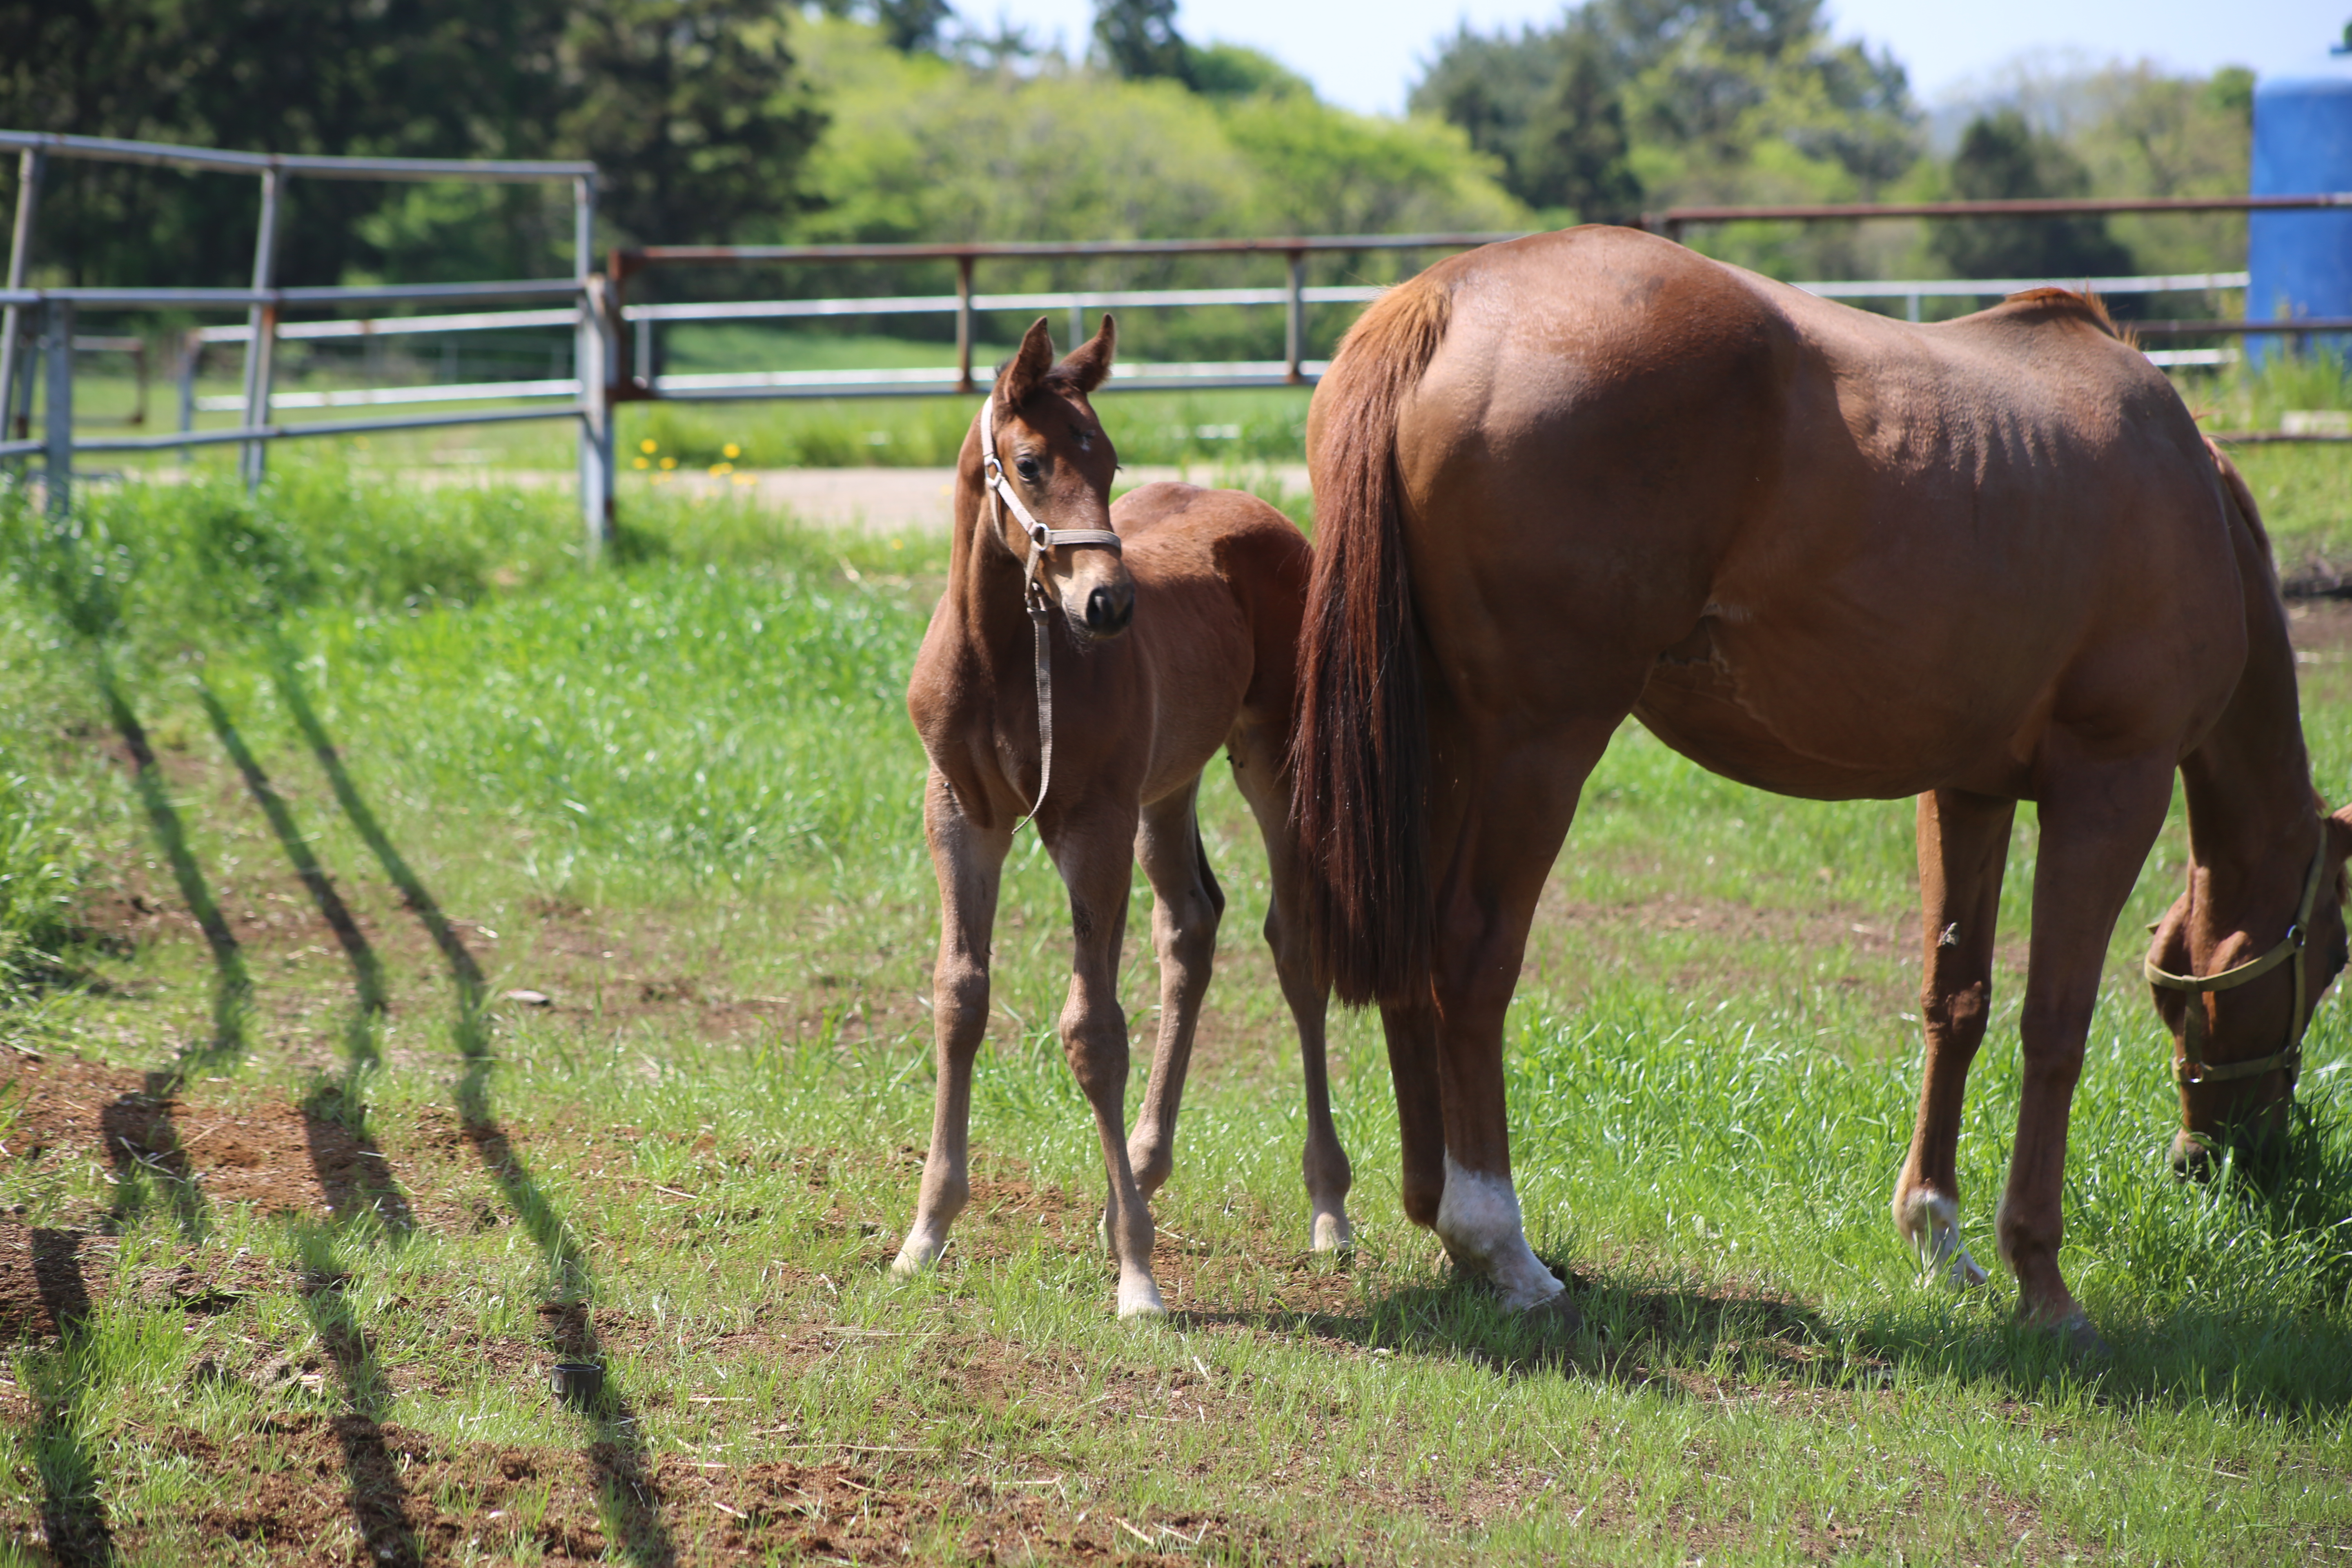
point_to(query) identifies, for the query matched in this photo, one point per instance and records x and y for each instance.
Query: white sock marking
(1478, 1220)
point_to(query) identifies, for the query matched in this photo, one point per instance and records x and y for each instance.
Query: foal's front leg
(1092, 845)
(970, 862)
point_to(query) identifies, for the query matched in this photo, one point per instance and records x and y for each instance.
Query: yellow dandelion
(897, 544)
(731, 450)
(649, 446)
(722, 468)
(669, 462)
(642, 464)
(746, 478)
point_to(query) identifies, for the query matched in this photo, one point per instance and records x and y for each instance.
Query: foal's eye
(1026, 467)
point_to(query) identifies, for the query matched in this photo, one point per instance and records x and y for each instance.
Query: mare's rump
(1825, 553)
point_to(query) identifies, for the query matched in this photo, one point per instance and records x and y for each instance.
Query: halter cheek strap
(2193, 1068)
(1043, 543)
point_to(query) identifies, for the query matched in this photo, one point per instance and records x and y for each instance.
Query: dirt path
(878, 500)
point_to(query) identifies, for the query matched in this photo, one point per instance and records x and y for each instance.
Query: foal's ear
(1089, 364)
(1027, 368)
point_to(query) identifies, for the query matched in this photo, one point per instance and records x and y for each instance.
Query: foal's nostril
(1108, 611)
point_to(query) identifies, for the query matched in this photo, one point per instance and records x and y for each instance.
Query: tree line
(748, 121)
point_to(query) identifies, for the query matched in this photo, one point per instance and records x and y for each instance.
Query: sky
(1365, 53)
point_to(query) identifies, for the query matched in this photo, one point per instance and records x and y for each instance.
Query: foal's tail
(1361, 748)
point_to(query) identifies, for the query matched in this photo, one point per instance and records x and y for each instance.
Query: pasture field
(428, 963)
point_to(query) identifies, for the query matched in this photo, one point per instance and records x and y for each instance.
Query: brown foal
(1592, 474)
(1171, 626)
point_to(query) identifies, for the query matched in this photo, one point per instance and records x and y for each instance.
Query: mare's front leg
(2097, 822)
(1187, 906)
(1092, 844)
(970, 863)
(1963, 850)
(1258, 754)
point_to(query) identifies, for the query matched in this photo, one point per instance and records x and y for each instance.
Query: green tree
(1140, 41)
(1574, 152)
(1666, 100)
(2000, 157)
(909, 26)
(668, 95)
(693, 110)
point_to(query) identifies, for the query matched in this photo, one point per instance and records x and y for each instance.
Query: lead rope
(1043, 542)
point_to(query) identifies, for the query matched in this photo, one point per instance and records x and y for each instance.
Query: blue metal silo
(2301, 262)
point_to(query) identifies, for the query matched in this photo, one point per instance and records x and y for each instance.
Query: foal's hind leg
(968, 861)
(1187, 905)
(1963, 849)
(1257, 758)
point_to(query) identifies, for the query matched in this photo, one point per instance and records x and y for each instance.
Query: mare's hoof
(1959, 1271)
(1555, 1316)
(1333, 1234)
(1141, 1300)
(2075, 1335)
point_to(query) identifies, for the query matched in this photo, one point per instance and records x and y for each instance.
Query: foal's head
(2236, 1044)
(1059, 462)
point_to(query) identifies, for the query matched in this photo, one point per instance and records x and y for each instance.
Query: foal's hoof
(915, 1256)
(1140, 1298)
(1333, 1234)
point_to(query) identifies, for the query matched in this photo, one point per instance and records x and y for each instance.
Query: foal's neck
(986, 592)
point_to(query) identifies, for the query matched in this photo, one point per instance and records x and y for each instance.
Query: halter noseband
(1043, 543)
(2193, 1068)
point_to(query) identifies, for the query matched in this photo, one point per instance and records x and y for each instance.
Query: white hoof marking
(1332, 1233)
(1478, 1220)
(1930, 1221)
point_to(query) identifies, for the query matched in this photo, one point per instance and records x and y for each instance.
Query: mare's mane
(2083, 306)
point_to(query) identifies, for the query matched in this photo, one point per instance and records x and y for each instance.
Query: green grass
(680, 797)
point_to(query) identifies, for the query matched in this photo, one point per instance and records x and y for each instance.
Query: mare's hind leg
(1257, 757)
(1187, 906)
(1963, 849)
(968, 861)
(1092, 844)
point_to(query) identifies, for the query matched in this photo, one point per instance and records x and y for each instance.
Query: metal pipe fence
(262, 303)
(615, 345)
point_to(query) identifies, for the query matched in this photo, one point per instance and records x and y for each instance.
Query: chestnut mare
(1825, 553)
(1172, 626)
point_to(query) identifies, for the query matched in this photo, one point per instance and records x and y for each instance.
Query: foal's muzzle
(1109, 607)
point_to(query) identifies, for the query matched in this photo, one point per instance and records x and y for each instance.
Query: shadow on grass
(630, 1497)
(73, 1517)
(378, 1501)
(351, 1170)
(142, 1142)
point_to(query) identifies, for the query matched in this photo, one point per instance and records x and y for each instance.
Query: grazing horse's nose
(1109, 608)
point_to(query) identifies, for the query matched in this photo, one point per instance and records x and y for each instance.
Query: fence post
(591, 363)
(261, 329)
(1295, 320)
(56, 475)
(192, 349)
(30, 166)
(963, 324)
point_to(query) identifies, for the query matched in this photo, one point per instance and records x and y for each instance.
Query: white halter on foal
(1043, 542)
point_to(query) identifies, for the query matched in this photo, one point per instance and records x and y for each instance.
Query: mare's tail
(1360, 747)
